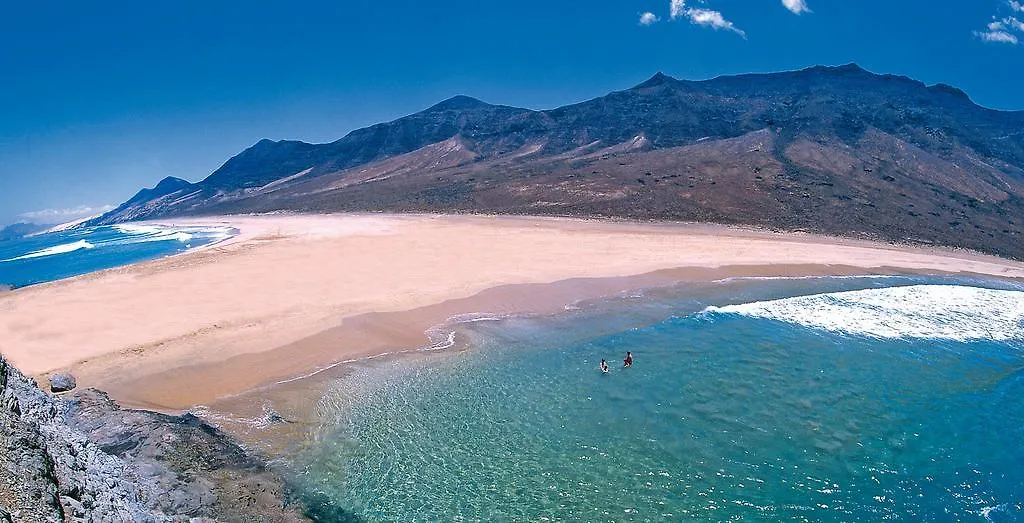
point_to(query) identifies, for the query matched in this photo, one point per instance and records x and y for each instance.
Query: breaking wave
(952, 312)
(56, 249)
(154, 233)
(128, 234)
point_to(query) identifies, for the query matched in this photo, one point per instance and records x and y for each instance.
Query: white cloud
(703, 17)
(1001, 37)
(648, 18)
(709, 18)
(1003, 31)
(677, 8)
(1014, 23)
(797, 6)
(47, 216)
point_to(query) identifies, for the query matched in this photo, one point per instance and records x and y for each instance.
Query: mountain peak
(949, 89)
(459, 102)
(847, 69)
(851, 67)
(659, 78)
(171, 182)
(166, 186)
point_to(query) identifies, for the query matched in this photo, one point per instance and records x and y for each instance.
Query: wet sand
(293, 295)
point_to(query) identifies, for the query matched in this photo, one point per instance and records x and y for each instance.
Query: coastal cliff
(82, 458)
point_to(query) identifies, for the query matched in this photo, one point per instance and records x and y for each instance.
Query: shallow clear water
(54, 256)
(754, 414)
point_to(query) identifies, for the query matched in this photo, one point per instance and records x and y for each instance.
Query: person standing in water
(604, 367)
(628, 362)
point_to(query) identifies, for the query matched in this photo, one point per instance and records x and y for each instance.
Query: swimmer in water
(628, 362)
(604, 367)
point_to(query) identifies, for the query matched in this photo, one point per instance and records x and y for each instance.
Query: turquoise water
(865, 406)
(50, 257)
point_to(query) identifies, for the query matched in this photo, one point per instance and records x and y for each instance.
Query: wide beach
(291, 295)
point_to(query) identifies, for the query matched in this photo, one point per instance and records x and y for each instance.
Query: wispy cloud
(702, 17)
(648, 18)
(1000, 32)
(47, 216)
(1006, 29)
(1000, 37)
(709, 18)
(797, 6)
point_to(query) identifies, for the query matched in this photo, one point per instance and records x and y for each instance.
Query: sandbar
(292, 294)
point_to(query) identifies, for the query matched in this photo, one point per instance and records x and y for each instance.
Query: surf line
(53, 251)
(447, 343)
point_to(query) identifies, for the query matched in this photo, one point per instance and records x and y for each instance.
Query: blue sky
(101, 98)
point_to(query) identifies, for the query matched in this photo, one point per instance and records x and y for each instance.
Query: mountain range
(834, 150)
(15, 231)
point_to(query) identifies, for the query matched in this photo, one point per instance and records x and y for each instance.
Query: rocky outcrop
(83, 458)
(53, 473)
(193, 468)
(62, 382)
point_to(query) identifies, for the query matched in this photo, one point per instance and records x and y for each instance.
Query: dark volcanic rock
(62, 382)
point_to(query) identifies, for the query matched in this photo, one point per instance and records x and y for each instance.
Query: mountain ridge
(837, 150)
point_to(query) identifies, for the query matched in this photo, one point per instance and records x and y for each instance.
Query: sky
(99, 99)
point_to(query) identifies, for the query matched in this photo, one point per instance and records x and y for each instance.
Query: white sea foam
(986, 512)
(217, 419)
(474, 317)
(56, 249)
(440, 339)
(447, 343)
(132, 234)
(919, 311)
(155, 233)
(132, 228)
(731, 279)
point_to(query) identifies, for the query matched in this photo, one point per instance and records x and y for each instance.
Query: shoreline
(279, 418)
(292, 295)
(309, 357)
(6, 288)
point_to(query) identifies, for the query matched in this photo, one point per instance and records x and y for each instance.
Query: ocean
(808, 399)
(54, 256)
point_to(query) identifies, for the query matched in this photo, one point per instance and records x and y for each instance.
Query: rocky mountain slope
(837, 150)
(82, 458)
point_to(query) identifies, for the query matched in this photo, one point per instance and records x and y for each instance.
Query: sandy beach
(293, 294)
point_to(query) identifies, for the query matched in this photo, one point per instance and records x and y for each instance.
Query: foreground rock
(62, 382)
(83, 458)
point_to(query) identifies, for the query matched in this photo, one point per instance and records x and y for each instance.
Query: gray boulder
(62, 382)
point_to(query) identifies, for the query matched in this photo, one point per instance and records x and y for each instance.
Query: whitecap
(136, 233)
(55, 250)
(951, 312)
(132, 228)
(474, 317)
